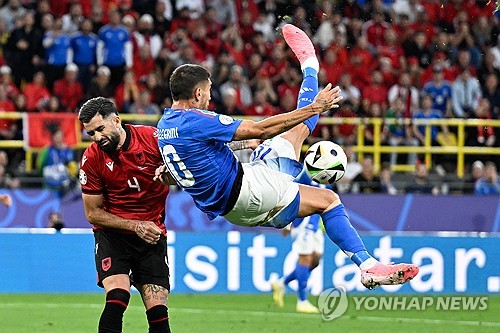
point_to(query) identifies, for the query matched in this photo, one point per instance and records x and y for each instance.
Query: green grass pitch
(37, 313)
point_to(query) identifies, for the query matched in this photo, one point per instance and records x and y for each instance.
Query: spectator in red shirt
(375, 92)
(291, 84)
(332, 66)
(392, 49)
(68, 89)
(8, 127)
(36, 92)
(246, 26)
(375, 28)
(127, 92)
(260, 106)
(276, 66)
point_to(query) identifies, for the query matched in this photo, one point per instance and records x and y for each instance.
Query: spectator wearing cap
(145, 36)
(466, 93)
(71, 21)
(24, 50)
(68, 89)
(114, 49)
(11, 12)
(489, 184)
(440, 90)
(36, 92)
(476, 173)
(100, 84)
(57, 55)
(6, 82)
(83, 49)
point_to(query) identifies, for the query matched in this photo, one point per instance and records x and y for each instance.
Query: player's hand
(327, 98)
(6, 199)
(162, 175)
(148, 231)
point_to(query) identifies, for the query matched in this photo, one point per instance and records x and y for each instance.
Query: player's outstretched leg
(304, 50)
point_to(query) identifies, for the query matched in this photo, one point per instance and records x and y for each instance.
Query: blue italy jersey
(440, 95)
(84, 48)
(114, 44)
(193, 145)
(57, 53)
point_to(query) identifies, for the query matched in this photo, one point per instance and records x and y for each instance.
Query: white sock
(310, 62)
(368, 263)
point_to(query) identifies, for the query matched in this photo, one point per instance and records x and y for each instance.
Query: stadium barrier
(460, 150)
(405, 213)
(43, 261)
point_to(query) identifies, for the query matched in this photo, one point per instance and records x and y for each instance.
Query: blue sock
(342, 233)
(290, 277)
(302, 273)
(308, 90)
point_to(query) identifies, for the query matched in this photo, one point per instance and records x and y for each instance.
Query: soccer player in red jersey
(127, 210)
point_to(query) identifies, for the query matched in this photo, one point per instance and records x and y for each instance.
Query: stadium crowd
(392, 58)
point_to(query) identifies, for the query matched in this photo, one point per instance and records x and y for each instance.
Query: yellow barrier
(460, 150)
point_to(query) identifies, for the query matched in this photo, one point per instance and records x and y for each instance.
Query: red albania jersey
(125, 178)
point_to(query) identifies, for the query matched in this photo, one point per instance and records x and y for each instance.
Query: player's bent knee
(118, 296)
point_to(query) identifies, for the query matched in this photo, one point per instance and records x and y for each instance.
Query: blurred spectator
(333, 65)
(496, 53)
(225, 11)
(25, 50)
(366, 181)
(487, 70)
(481, 135)
(20, 103)
(470, 179)
(291, 83)
(440, 90)
(421, 184)
(126, 93)
(349, 92)
(196, 8)
(237, 82)
(125, 7)
(185, 55)
(55, 221)
(53, 105)
(353, 169)
(463, 40)
(6, 180)
(6, 82)
(144, 63)
(229, 103)
(417, 47)
(276, 66)
(489, 184)
(83, 47)
(375, 92)
(4, 39)
(71, 21)
(9, 129)
(68, 89)
(114, 48)
(465, 94)
(100, 84)
(96, 16)
(246, 27)
(400, 134)
(427, 112)
(260, 106)
(491, 92)
(386, 179)
(57, 163)
(408, 94)
(463, 61)
(332, 24)
(415, 72)
(374, 111)
(264, 24)
(36, 92)
(162, 17)
(375, 28)
(391, 48)
(57, 46)
(410, 8)
(143, 104)
(389, 73)
(156, 89)
(145, 36)
(42, 10)
(11, 12)
(213, 26)
(343, 134)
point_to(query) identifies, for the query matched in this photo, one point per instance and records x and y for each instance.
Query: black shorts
(117, 253)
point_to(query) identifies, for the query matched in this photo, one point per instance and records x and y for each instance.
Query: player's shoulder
(91, 154)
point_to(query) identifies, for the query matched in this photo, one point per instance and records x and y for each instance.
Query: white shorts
(264, 194)
(307, 241)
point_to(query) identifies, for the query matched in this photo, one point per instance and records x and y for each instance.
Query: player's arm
(92, 203)
(244, 144)
(272, 126)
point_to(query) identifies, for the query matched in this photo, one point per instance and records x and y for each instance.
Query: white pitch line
(264, 313)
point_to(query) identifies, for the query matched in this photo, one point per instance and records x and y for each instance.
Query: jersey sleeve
(212, 126)
(89, 175)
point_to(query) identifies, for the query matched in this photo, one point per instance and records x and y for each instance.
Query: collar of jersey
(128, 136)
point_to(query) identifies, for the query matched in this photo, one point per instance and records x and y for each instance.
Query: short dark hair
(96, 105)
(185, 79)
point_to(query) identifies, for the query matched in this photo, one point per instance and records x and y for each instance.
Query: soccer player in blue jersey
(308, 242)
(194, 145)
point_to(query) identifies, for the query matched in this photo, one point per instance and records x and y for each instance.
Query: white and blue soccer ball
(325, 162)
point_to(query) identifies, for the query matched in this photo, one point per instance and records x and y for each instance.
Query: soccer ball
(325, 162)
